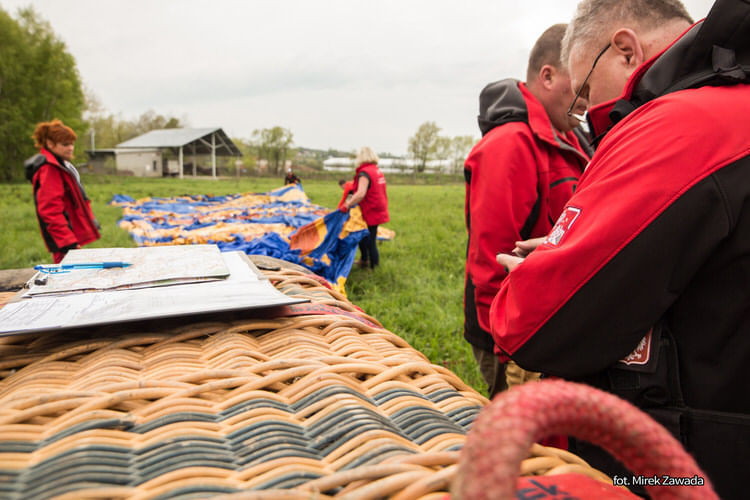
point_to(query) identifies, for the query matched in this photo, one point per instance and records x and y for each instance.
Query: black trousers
(368, 247)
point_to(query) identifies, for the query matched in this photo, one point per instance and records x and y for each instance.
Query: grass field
(416, 292)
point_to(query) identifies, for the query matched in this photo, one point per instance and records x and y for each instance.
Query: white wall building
(389, 165)
(141, 162)
(144, 155)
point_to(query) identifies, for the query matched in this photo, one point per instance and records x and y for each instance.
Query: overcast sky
(337, 73)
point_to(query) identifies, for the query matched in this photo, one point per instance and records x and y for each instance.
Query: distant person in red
(63, 210)
(348, 187)
(291, 178)
(370, 193)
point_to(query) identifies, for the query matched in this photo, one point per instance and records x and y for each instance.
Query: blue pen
(65, 268)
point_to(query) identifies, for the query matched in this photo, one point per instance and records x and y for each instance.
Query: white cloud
(338, 73)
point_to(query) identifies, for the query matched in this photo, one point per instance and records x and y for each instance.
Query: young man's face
(62, 149)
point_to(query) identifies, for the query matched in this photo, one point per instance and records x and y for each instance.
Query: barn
(162, 152)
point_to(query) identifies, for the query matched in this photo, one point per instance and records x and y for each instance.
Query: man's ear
(628, 47)
(547, 75)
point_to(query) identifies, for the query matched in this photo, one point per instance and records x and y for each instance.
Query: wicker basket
(316, 401)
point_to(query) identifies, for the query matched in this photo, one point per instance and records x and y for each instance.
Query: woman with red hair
(62, 207)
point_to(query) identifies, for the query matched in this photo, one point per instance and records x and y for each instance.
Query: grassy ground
(416, 292)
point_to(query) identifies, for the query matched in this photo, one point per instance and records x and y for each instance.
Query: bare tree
(459, 150)
(424, 144)
(274, 145)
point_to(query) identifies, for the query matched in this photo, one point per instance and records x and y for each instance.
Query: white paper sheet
(150, 266)
(245, 288)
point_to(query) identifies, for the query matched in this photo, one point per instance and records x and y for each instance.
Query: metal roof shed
(213, 141)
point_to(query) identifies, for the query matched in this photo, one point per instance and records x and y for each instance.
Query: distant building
(161, 152)
(101, 160)
(333, 164)
(389, 165)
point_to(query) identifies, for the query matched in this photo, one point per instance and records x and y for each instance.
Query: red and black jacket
(291, 178)
(374, 205)
(63, 210)
(641, 287)
(347, 188)
(518, 178)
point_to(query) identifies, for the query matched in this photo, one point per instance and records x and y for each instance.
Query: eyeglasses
(580, 89)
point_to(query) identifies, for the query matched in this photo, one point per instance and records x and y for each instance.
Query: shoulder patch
(562, 226)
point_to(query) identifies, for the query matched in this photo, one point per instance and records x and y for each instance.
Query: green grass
(417, 292)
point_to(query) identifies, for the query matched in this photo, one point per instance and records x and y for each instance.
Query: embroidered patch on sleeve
(562, 226)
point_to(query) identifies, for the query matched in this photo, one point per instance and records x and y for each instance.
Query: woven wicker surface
(324, 400)
(515, 375)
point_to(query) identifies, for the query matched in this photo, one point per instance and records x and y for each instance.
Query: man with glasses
(518, 178)
(641, 288)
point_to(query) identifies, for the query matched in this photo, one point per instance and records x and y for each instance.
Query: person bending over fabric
(290, 177)
(371, 195)
(518, 178)
(641, 288)
(62, 207)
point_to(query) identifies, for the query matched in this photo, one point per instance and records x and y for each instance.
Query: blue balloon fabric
(282, 223)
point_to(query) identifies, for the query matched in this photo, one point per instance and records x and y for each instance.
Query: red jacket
(374, 205)
(518, 179)
(641, 288)
(348, 189)
(64, 212)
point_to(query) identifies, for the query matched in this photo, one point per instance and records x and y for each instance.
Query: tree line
(39, 81)
(427, 144)
(275, 146)
(106, 130)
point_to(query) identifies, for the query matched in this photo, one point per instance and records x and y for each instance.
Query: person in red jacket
(63, 210)
(518, 179)
(348, 188)
(641, 288)
(370, 193)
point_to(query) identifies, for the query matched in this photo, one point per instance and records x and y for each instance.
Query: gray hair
(365, 155)
(595, 18)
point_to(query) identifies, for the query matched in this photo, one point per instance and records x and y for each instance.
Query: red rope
(506, 429)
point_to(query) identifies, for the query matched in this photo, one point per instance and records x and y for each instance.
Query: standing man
(641, 288)
(518, 178)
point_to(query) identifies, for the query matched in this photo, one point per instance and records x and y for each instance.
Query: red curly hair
(55, 131)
